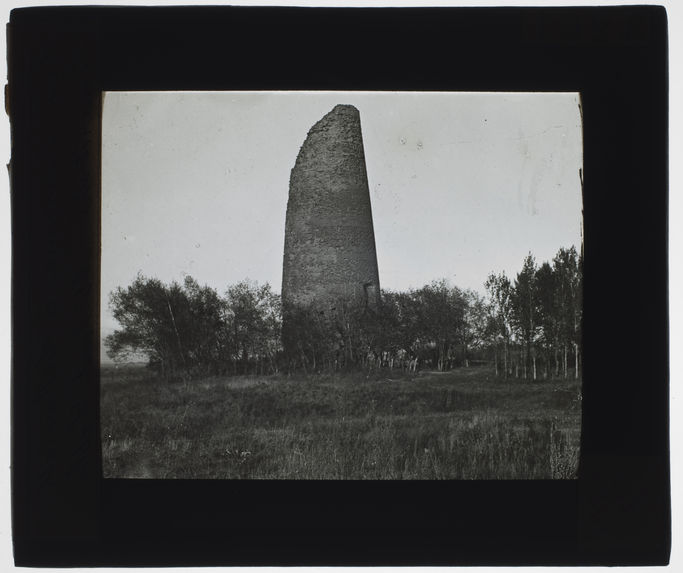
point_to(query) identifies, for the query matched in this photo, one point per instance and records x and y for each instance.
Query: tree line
(528, 327)
(190, 330)
(534, 323)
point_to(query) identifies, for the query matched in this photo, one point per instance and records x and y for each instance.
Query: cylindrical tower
(329, 238)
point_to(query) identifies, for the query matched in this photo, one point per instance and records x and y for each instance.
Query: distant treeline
(528, 327)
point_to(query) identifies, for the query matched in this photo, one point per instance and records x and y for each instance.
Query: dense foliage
(528, 327)
(189, 330)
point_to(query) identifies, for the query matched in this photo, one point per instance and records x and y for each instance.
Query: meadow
(460, 424)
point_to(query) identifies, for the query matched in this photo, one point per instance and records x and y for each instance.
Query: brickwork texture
(329, 250)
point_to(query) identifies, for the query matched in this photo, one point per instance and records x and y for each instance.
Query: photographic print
(346, 301)
(341, 285)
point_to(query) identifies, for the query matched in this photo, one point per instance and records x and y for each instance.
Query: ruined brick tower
(329, 238)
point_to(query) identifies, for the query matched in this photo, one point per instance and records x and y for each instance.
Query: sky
(461, 184)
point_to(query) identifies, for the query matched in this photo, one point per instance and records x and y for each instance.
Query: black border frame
(65, 514)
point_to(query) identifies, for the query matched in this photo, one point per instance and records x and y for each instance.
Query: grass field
(462, 424)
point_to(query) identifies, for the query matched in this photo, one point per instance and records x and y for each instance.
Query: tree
(398, 326)
(253, 320)
(142, 312)
(568, 268)
(388, 334)
(173, 326)
(441, 312)
(525, 312)
(548, 318)
(499, 327)
(474, 323)
(203, 322)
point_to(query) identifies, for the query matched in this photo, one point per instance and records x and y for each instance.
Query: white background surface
(675, 15)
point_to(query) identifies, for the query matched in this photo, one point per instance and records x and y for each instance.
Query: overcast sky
(461, 184)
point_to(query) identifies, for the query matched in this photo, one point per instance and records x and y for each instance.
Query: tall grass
(463, 424)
